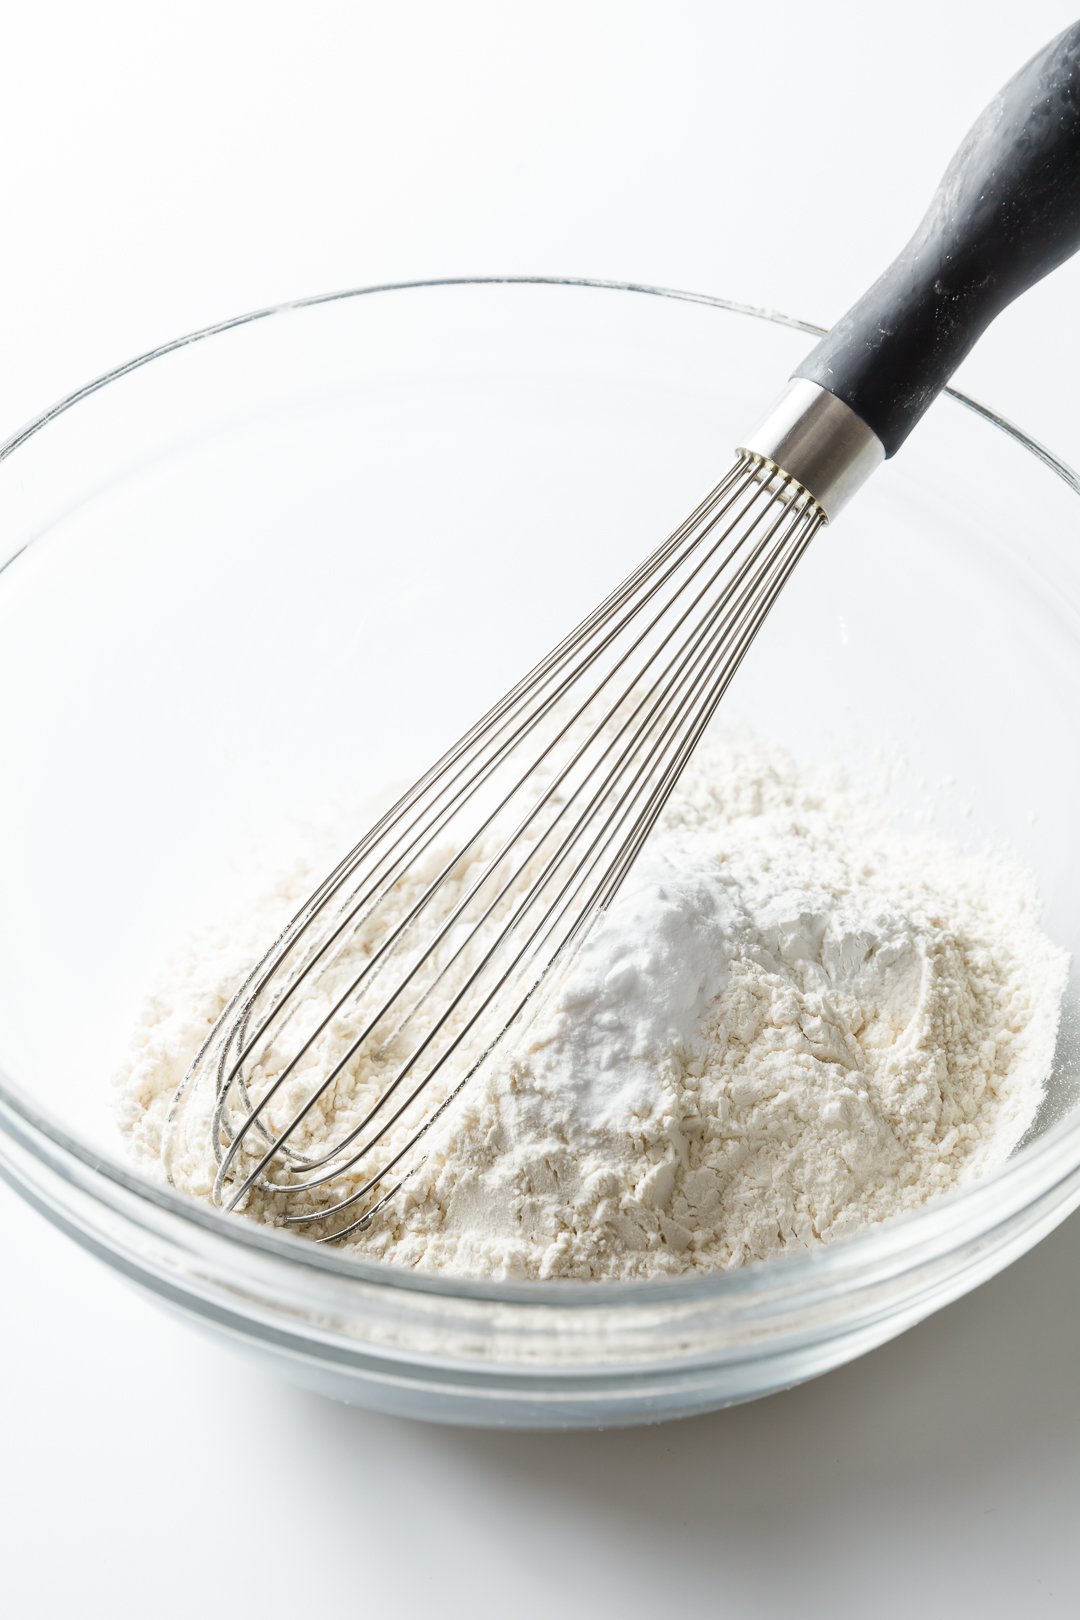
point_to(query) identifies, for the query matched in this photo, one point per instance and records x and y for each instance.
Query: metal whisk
(396, 980)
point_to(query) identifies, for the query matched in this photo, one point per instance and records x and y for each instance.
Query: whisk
(435, 935)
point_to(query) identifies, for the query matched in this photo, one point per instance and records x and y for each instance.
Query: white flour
(795, 1021)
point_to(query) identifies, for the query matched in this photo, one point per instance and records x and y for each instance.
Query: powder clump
(796, 1020)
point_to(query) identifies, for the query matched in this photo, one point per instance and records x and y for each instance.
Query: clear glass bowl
(268, 569)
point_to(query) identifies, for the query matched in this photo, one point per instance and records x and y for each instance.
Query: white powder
(795, 1020)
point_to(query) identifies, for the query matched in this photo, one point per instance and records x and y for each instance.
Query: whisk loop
(395, 981)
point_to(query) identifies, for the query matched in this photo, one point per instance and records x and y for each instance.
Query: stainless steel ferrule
(819, 441)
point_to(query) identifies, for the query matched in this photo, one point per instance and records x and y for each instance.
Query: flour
(795, 1021)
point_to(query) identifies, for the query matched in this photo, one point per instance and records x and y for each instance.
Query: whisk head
(396, 980)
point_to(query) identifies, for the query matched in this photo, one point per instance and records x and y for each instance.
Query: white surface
(167, 166)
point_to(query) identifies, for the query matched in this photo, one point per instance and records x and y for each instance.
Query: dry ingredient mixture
(795, 1020)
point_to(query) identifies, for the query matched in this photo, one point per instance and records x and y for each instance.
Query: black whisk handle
(1006, 213)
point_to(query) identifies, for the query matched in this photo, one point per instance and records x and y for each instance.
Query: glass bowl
(261, 573)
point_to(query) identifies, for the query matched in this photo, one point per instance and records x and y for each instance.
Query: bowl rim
(1042, 1162)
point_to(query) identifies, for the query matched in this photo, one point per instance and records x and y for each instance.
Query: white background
(161, 167)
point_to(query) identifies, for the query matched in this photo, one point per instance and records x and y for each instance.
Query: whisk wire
(513, 839)
(529, 824)
(244, 1041)
(388, 945)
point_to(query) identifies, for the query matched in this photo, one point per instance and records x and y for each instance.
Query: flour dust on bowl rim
(231, 569)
